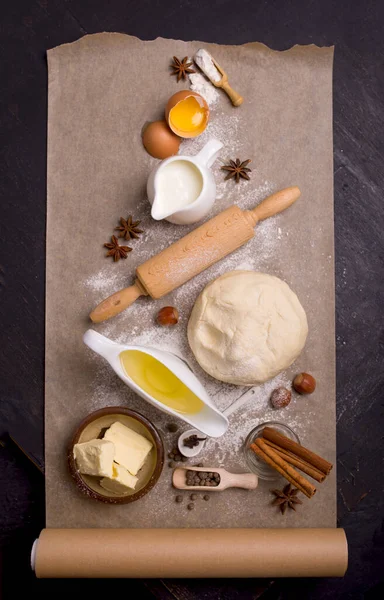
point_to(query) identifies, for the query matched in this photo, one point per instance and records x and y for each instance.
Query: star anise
(181, 67)
(237, 169)
(115, 250)
(129, 229)
(286, 497)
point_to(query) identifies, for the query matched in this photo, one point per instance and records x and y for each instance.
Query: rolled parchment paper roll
(171, 553)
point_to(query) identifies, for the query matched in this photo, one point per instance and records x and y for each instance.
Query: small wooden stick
(287, 444)
(223, 83)
(276, 462)
(290, 458)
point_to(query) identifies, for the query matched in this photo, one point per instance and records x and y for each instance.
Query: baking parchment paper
(102, 89)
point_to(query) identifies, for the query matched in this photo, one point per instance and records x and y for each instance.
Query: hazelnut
(304, 383)
(280, 397)
(168, 315)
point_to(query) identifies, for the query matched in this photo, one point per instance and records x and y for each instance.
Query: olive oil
(159, 382)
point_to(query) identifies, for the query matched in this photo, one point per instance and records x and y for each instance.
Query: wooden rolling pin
(195, 252)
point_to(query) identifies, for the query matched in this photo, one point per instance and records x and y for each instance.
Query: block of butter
(95, 457)
(121, 481)
(131, 448)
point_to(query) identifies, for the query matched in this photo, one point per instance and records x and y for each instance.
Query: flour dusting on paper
(97, 173)
(202, 86)
(137, 324)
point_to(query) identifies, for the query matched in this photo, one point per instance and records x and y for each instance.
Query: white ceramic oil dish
(182, 189)
(209, 420)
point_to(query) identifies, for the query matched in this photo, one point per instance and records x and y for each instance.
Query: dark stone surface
(27, 29)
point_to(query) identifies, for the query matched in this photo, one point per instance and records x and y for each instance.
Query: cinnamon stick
(271, 457)
(285, 443)
(301, 464)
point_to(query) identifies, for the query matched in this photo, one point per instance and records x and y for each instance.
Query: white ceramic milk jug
(182, 189)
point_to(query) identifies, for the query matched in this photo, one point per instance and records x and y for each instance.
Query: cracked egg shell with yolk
(187, 114)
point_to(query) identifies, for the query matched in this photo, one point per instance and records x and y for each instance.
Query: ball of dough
(246, 327)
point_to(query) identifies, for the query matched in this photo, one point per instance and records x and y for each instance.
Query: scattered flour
(204, 61)
(104, 280)
(223, 127)
(201, 85)
(137, 324)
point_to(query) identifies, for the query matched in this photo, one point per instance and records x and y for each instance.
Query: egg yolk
(188, 115)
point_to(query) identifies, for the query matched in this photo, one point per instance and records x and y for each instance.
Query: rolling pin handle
(275, 204)
(115, 304)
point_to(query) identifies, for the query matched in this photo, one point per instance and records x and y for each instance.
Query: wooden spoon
(234, 96)
(247, 481)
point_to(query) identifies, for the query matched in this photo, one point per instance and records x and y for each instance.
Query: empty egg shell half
(187, 114)
(159, 141)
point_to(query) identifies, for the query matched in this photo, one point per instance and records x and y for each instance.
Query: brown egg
(159, 141)
(187, 114)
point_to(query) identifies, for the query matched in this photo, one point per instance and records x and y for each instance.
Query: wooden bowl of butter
(116, 455)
